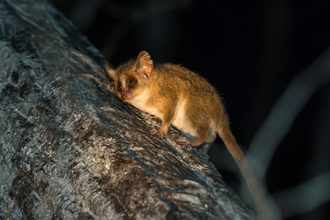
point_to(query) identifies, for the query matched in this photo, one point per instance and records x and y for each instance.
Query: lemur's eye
(119, 87)
(132, 82)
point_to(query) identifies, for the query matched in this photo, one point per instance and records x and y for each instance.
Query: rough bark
(69, 149)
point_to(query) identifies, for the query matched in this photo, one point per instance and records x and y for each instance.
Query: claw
(183, 140)
(155, 131)
(109, 87)
(202, 149)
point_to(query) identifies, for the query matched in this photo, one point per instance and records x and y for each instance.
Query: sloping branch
(285, 111)
(276, 127)
(69, 149)
(304, 197)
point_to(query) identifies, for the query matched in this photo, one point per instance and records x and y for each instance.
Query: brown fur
(180, 97)
(167, 83)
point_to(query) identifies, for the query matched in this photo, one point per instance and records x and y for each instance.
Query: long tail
(252, 183)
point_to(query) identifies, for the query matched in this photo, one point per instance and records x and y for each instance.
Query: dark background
(250, 51)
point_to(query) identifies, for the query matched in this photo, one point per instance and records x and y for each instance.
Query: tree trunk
(69, 149)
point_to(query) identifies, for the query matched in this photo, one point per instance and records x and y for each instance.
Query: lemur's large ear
(144, 64)
(110, 71)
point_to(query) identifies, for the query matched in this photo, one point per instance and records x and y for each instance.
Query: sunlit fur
(182, 98)
(177, 96)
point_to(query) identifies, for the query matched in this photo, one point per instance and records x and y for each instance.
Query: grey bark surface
(69, 149)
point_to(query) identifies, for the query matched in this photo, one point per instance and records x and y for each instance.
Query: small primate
(181, 98)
